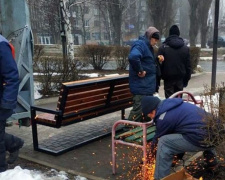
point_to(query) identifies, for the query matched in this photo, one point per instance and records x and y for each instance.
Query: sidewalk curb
(70, 171)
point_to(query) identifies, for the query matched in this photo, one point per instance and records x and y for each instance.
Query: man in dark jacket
(179, 129)
(142, 70)
(9, 85)
(176, 69)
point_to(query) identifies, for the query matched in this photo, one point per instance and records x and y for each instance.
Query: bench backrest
(81, 100)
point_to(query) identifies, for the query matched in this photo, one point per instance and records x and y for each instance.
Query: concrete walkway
(93, 160)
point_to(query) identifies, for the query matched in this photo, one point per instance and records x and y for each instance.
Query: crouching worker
(179, 129)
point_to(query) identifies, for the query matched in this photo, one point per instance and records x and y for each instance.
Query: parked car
(220, 43)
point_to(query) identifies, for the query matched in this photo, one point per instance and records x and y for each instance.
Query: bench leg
(34, 130)
(35, 136)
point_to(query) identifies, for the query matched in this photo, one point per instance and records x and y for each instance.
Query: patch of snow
(24, 174)
(37, 95)
(90, 75)
(80, 178)
(111, 74)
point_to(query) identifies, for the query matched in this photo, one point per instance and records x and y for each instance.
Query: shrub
(96, 55)
(46, 67)
(214, 103)
(120, 53)
(53, 70)
(194, 57)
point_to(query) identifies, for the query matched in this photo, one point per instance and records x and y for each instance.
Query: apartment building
(90, 21)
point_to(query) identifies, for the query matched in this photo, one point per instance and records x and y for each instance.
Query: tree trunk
(115, 15)
(203, 17)
(194, 23)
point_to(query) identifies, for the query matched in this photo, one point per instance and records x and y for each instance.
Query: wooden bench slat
(89, 87)
(83, 106)
(87, 99)
(96, 113)
(87, 94)
(46, 117)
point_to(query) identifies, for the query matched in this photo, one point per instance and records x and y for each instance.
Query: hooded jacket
(141, 58)
(9, 77)
(177, 59)
(173, 116)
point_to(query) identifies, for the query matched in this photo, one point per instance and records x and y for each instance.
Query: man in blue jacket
(142, 70)
(9, 85)
(179, 129)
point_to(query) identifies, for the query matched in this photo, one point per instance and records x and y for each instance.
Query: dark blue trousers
(8, 143)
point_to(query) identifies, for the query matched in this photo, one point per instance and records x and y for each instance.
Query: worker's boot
(13, 155)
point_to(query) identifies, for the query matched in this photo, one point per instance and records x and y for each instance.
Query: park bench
(80, 101)
(142, 133)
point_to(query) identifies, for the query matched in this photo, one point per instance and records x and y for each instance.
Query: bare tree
(203, 12)
(162, 13)
(194, 21)
(115, 9)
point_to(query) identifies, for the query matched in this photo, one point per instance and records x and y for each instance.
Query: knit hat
(174, 30)
(149, 103)
(155, 35)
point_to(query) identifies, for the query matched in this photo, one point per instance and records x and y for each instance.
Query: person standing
(176, 69)
(9, 85)
(180, 127)
(142, 70)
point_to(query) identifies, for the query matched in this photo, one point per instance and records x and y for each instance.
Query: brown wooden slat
(47, 118)
(75, 100)
(121, 97)
(88, 88)
(96, 79)
(87, 94)
(96, 113)
(125, 91)
(87, 99)
(83, 106)
(125, 85)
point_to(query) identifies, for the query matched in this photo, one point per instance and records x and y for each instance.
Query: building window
(76, 23)
(76, 39)
(86, 10)
(96, 36)
(96, 12)
(88, 37)
(106, 36)
(96, 23)
(44, 39)
(86, 23)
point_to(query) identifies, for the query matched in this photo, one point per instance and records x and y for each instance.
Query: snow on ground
(24, 174)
